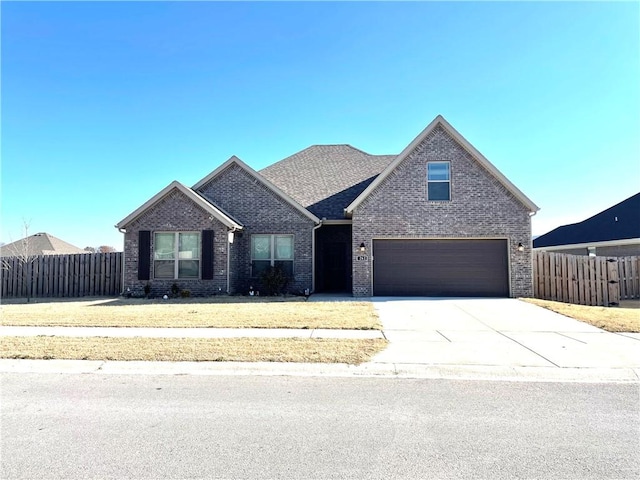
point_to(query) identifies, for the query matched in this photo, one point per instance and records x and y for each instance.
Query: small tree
(105, 249)
(24, 257)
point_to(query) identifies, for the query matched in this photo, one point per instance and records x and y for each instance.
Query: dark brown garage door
(441, 268)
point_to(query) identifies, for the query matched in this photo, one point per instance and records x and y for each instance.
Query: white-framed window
(438, 181)
(176, 255)
(271, 251)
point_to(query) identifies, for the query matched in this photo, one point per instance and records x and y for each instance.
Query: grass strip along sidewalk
(321, 350)
(611, 319)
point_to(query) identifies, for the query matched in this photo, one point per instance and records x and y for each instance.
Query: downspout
(229, 266)
(313, 256)
(232, 230)
(124, 252)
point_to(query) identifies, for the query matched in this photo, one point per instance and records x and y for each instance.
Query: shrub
(185, 293)
(274, 281)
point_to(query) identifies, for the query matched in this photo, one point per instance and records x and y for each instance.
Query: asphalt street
(70, 426)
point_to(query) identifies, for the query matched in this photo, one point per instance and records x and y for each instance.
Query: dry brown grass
(612, 319)
(229, 312)
(182, 349)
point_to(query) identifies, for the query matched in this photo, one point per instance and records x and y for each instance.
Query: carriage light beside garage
(363, 247)
(520, 247)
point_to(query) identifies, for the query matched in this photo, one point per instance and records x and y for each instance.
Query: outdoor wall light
(520, 247)
(363, 247)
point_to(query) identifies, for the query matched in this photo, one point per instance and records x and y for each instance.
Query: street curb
(378, 370)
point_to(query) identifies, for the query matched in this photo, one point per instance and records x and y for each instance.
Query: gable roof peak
(439, 120)
(235, 160)
(191, 195)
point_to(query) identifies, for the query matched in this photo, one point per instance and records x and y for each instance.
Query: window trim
(272, 250)
(176, 251)
(448, 181)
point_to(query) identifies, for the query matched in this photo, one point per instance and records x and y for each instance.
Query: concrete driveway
(498, 333)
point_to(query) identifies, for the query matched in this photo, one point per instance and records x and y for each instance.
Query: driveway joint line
(506, 336)
(571, 338)
(524, 346)
(448, 340)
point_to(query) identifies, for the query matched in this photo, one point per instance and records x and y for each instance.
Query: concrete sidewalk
(130, 332)
(498, 339)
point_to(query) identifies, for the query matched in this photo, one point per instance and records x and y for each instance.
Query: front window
(271, 251)
(176, 255)
(438, 181)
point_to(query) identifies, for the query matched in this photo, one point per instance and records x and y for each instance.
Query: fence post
(613, 282)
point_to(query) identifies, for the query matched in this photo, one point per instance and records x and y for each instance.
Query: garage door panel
(441, 267)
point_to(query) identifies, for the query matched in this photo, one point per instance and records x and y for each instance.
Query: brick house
(436, 220)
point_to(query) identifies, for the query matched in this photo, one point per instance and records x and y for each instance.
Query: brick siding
(175, 212)
(260, 211)
(480, 207)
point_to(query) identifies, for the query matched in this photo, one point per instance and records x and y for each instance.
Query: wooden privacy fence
(74, 275)
(585, 280)
(629, 277)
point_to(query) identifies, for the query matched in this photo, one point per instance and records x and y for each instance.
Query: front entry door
(335, 271)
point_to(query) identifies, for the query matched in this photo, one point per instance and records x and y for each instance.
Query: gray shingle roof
(620, 222)
(38, 244)
(326, 178)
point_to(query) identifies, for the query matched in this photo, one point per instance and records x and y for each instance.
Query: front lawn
(219, 312)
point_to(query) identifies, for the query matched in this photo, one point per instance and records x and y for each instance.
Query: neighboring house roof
(193, 196)
(261, 178)
(326, 178)
(440, 121)
(620, 222)
(39, 244)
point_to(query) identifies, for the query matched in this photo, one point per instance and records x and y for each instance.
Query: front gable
(173, 204)
(177, 210)
(263, 210)
(235, 187)
(470, 172)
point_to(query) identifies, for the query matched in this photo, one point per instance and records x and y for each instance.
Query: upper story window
(271, 251)
(438, 181)
(176, 255)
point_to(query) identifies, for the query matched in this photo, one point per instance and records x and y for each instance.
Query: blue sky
(104, 104)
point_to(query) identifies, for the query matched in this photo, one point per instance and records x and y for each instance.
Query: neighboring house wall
(601, 251)
(618, 250)
(260, 211)
(570, 251)
(480, 207)
(174, 213)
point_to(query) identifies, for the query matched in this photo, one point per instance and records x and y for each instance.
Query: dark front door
(335, 272)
